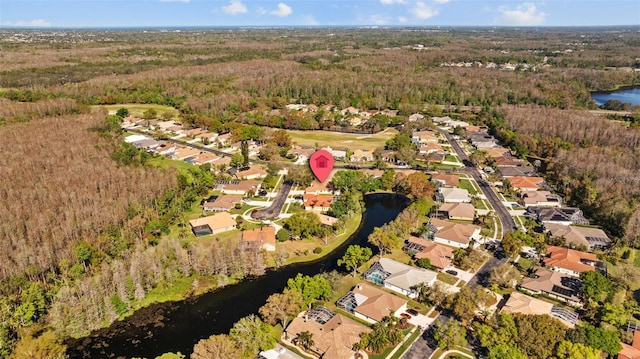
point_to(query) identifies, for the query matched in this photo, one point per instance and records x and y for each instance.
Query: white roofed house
(424, 137)
(371, 304)
(453, 195)
(399, 277)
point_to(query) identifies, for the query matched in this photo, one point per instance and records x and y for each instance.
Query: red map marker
(321, 163)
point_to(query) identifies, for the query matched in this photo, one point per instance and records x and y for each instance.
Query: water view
(631, 96)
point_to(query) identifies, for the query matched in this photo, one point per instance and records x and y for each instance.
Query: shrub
(283, 235)
(317, 250)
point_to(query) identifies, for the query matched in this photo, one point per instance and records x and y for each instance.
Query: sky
(186, 13)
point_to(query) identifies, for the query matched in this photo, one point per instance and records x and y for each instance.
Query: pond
(177, 326)
(631, 96)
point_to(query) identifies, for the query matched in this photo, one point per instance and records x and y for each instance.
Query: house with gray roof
(399, 277)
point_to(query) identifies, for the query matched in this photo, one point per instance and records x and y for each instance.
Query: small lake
(629, 96)
(178, 326)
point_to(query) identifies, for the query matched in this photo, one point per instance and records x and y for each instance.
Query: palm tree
(305, 339)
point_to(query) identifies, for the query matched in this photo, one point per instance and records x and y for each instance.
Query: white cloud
(283, 10)
(31, 23)
(442, 1)
(235, 7)
(423, 11)
(183, 1)
(402, 19)
(310, 20)
(523, 15)
(391, 2)
(261, 11)
(378, 20)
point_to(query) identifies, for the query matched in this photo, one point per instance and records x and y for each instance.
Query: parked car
(412, 311)
(451, 271)
(406, 316)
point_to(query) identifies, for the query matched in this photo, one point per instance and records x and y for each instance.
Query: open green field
(342, 140)
(136, 109)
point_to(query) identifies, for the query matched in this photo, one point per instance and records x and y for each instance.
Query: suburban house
(259, 238)
(327, 220)
(202, 158)
(338, 155)
(524, 304)
(522, 171)
(555, 285)
(524, 184)
(217, 223)
(430, 147)
(333, 334)
(207, 136)
(453, 195)
(462, 211)
(301, 153)
(440, 256)
(445, 180)
(508, 161)
(362, 156)
(482, 140)
(631, 351)
(375, 173)
(569, 261)
(416, 117)
(564, 215)
(317, 187)
(496, 152)
(239, 187)
(371, 304)
(167, 149)
(589, 237)
(399, 277)
(314, 202)
(223, 203)
(224, 139)
(148, 144)
(252, 172)
(194, 132)
(183, 153)
(541, 199)
(423, 137)
(458, 235)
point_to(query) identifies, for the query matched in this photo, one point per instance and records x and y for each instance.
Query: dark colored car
(412, 311)
(452, 272)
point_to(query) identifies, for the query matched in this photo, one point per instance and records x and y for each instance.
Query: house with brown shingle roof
(462, 211)
(317, 187)
(223, 203)
(454, 234)
(631, 351)
(253, 172)
(582, 236)
(259, 238)
(423, 137)
(540, 199)
(217, 223)
(508, 161)
(439, 255)
(327, 220)
(445, 180)
(524, 304)
(569, 261)
(371, 304)
(202, 158)
(240, 187)
(333, 334)
(554, 284)
(526, 183)
(496, 152)
(183, 153)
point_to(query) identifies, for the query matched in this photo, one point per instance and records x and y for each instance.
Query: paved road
(424, 346)
(274, 210)
(507, 221)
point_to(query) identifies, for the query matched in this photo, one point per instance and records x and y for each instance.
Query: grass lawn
(403, 348)
(334, 241)
(451, 158)
(342, 140)
(446, 278)
(165, 163)
(136, 109)
(466, 184)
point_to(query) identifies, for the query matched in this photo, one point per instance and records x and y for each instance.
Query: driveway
(421, 320)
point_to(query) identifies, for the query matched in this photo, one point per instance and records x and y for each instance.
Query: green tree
(283, 235)
(122, 112)
(450, 335)
(505, 351)
(237, 159)
(217, 347)
(425, 263)
(150, 114)
(512, 243)
(177, 355)
(251, 335)
(615, 314)
(244, 150)
(595, 337)
(304, 225)
(354, 257)
(347, 180)
(47, 345)
(504, 276)
(311, 288)
(384, 239)
(595, 286)
(280, 306)
(417, 185)
(388, 180)
(299, 175)
(569, 350)
(281, 138)
(33, 304)
(305, 340)
(538, 335)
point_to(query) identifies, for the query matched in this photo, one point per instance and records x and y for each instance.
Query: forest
(84, 219)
